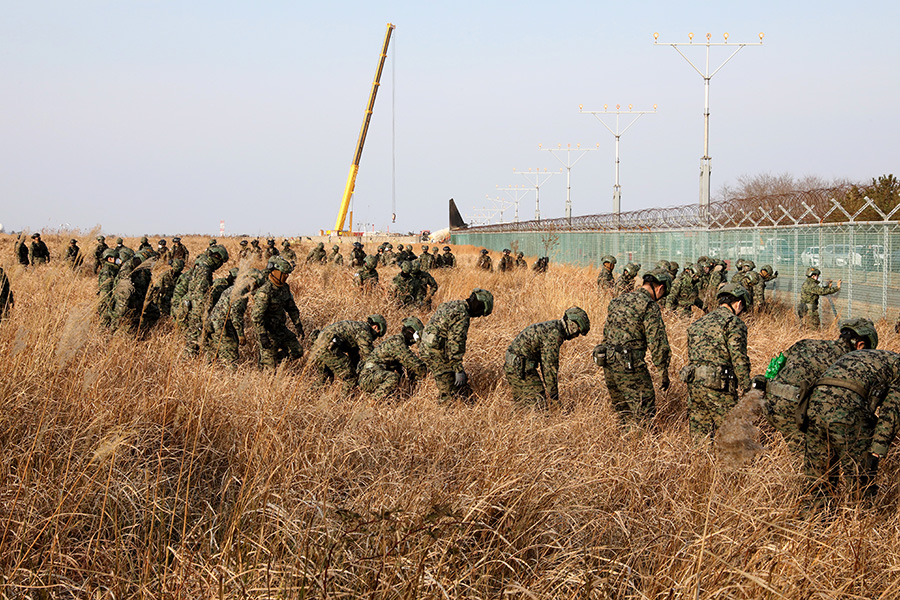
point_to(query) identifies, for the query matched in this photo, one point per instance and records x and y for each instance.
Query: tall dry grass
(127, 471)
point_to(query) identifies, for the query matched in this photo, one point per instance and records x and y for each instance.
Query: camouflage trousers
(444, 375)
(525, 382)
(707, 407)
(780, 412)
(809, 314)
(631, 394)
(840, 432)
(283, 343)
(193, 329)
(379, 382)
(223, 343)
(340, 366)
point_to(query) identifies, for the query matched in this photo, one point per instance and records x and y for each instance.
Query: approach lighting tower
(568, 164)
(617, 133)
(706, 160)
(537, 178)
(515, 193)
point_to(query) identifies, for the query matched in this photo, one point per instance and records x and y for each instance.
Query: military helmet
(390, 246)
(144, 240)
(413, 323)
(145, 254)
(286, 243)
(177, 264)
(212, 242)
(73, 241)
(125, 253)
(446, 248)
(609, 258)
(580, 318)
(506, 251)
(691, 268)
(161, 243)
(520, 254)
(100, 238)
(109, 253)
(736, 290)
(749, 264)
(767, 268)
(243, 242)
(176, 239)
(119, 241)
(863, 328)
(813, 271)
(378, 322)
(406, 267)
(320, 245)
(703, 259)
(35, 236)
(233, 272)
(416, 265)
(662, 276)
(371, 261)
(270, 242)
(425, 248)
(486, 298)
(276, 263)
(739, 264)
(399, 246)
(673, 266)
(335, 247)
(219, 251)
(484, 251)
(663, 264)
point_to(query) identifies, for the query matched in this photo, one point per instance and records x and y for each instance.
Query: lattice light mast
(706, 161)
(568, 164)
(617, 133)
(515, 193)
(537, 178)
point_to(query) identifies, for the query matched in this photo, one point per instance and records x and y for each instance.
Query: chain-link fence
(864, 255)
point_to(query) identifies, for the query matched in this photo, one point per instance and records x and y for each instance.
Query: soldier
(808, 307)
(106, 278)
(766, 274)
(685, 293)
(484, 261)
(444, 342)
(448, 261)
(389, 257)
(271, 250)
(196, 296)
(520, 262)
(426, 259)
(719, 367)
(335, 257)
(536, 346)
(162, 285)
(218, 287)
(144, 244)
(605, 278)
(38, 254)
(673, 269)
(162, 251)
(425, 286)
(634, 324)
(625, 282)
(541, 264)
(21, 250)
(179, 251)
(255, 250)
(226, 320)
(717, 275)
(382, 370)
(357, 256)
(317, 254)
(287, 253)
(244, 252)
(73, 254)
(406, 253)
(99, 249)
(179, 308)
(506, 262)
(342, 346)
(270, 303)
(122, 250)
(367, 277)
(404, 285)
(853, 415)
(793, 373)
(127, 312)
(6, 296)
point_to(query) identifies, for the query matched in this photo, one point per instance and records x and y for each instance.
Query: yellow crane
(354, 167)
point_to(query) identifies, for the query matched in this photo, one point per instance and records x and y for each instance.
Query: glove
(460, 379)
(872, 460)
(264, 340)
(664, 382)
(775, 273)
(242, 340)
(759, 382)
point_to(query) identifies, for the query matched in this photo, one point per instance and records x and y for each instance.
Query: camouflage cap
(100, 238)
(660, 276)
(663, 264)
(276, 263)
(406, 267)
(243, 242)
(813, 272)
(413, 323)
(609, 258)
(486, 298)
(379, 323)
(176, 239)
(125, 253)
(766, 268)
(212, 242)
(446, 248)
(220, 252)
(863, 328)
(161, 243)
(736, 290)
(580, 318)
(371, 261)
(119, 241)
(109, 253)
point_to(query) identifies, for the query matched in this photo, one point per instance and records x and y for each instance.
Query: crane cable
(394, 133)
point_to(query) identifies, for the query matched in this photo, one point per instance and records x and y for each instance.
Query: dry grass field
(127, 471)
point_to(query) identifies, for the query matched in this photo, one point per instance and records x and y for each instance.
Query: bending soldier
(605, 278)
(340, 348)
(625, 282)
(382, 370)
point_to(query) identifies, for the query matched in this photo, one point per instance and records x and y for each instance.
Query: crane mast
(354, 167)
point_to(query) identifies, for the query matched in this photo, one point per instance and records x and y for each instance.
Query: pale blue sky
(165, 116)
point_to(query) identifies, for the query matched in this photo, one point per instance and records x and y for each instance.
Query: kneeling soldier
(381, 372)
(341, 346)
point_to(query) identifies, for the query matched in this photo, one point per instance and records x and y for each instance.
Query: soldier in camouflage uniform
(506, 261)
(218, 287)
(448, 260)
(625, 282)
(162, 285)
(382, 370)
(536, 346)
(180, 308)
(73, 254)
(766, 274)
(405, 285)
(426, 259)
(853, 416)
(444, 342)
(685, 293)
(803, 365)
(195, 300)
(341, 347)
(106, 278)
(255, 250)
(673, 269)
(719, 366)
(521, 264)
(317, 254)
(226, 320)
(162, 251)
(541, 265)
(287, 253)
(389, 257)
(634, 324)
(808, 307)
(6, 296)
(367, 277)
(99, 249)
(244, 251)
(424, 287)
(605, 278)
(127, 312)
(21, 250)
(38, 253)
(144, 244)
(357, 256)
(335, 257)
(270, 250)
(179, 251)
(271, 302)
(484, 261)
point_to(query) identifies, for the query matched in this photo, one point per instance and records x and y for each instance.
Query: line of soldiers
(251, 250)
(507, 264)
(384, 256)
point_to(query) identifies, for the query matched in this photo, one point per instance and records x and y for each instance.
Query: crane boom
(354, 167)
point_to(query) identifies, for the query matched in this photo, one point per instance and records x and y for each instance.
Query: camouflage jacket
(425, 286)
(685, 292)
(336, 258)
(405, 288)
(289, 255)
(394, 355)
(21, 251)
(624, 284)
(106, 278)
(316, 255)
(72, 253)
(231, 306)
(388, 258)
(162, 288)
(357, 257)
(343, 337)
(605, 279)
(521, 263)
(720, 339)
(878, 373)
(484, 262)
(201, 281)
(634, 321)
(270, 304)
(505, 264)
(39, 253)
(806, 360)
(812, 289)
(448, 261)
(270, 252)
(715, 280)
(218, 286)
(367, 277)
(181, 287)
(179, 251)
(539, 344)
(426, 261)
(447, 332)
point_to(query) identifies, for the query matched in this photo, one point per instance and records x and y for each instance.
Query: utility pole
(537, 178)
(515, 193)
(568, 164)
(617, 133)
(706, 160)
